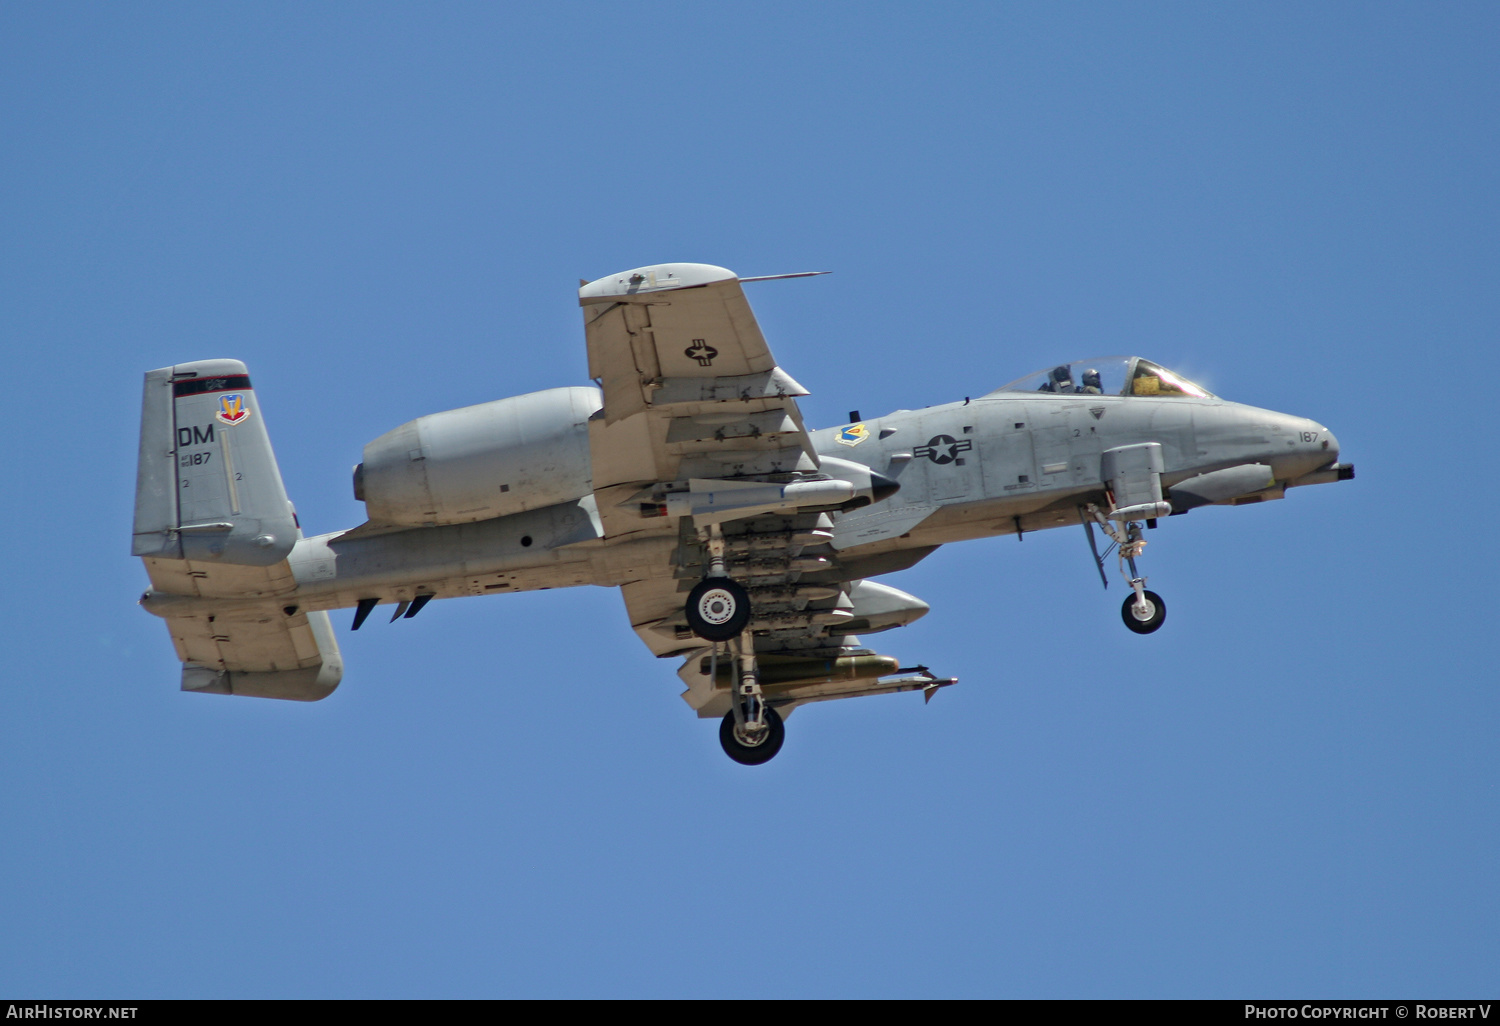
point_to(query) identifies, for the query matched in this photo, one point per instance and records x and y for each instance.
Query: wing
(700, 426)
(691, 390)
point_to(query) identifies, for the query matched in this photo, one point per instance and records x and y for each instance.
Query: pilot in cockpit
(1060, 380)
(1109, 375)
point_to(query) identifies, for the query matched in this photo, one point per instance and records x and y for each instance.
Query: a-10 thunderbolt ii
(743, 543)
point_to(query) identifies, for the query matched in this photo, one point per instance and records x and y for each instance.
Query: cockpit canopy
(1109, 375)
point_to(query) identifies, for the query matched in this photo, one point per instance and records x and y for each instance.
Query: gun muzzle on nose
(1322, 453)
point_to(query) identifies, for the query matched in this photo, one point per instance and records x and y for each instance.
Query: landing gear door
(1133, 475)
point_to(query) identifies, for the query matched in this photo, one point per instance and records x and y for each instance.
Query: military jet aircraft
(743, 543)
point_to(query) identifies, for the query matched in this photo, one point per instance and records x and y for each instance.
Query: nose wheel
(1144, 613)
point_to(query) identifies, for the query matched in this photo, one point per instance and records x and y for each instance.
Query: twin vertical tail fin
(207, 485)
(213, 522)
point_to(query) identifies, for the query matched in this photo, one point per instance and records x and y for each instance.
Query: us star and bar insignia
(943, 449)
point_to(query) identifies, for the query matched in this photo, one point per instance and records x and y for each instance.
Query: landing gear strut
(1144, 611)
(718, 607)
(751, 732)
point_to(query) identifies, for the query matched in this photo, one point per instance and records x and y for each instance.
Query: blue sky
(384, 209)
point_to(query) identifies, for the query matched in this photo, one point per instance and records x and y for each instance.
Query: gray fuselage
(1005, 463)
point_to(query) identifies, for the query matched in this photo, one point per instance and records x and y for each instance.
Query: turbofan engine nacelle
(482, 461)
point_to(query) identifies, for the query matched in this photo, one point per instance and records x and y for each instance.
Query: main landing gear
(751, 748)
(751, 732)
(718, 609)
(1144, 611)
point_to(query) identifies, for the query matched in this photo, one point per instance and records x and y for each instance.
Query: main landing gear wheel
(718, 609)
(750, 750)
(1144, 621)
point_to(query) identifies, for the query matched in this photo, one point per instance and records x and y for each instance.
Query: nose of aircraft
(1314, 437)
(1303, 445)
(1295, 447)
(1315, 446)
(1316, 456)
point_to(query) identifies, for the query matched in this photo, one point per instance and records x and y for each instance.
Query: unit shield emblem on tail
(232, 408)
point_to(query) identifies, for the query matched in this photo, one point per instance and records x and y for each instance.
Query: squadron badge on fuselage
(853, 434)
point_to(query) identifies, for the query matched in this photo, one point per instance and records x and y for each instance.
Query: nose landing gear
(1144, 611)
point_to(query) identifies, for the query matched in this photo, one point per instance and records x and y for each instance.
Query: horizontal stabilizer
(307, 685)
(274, 655)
